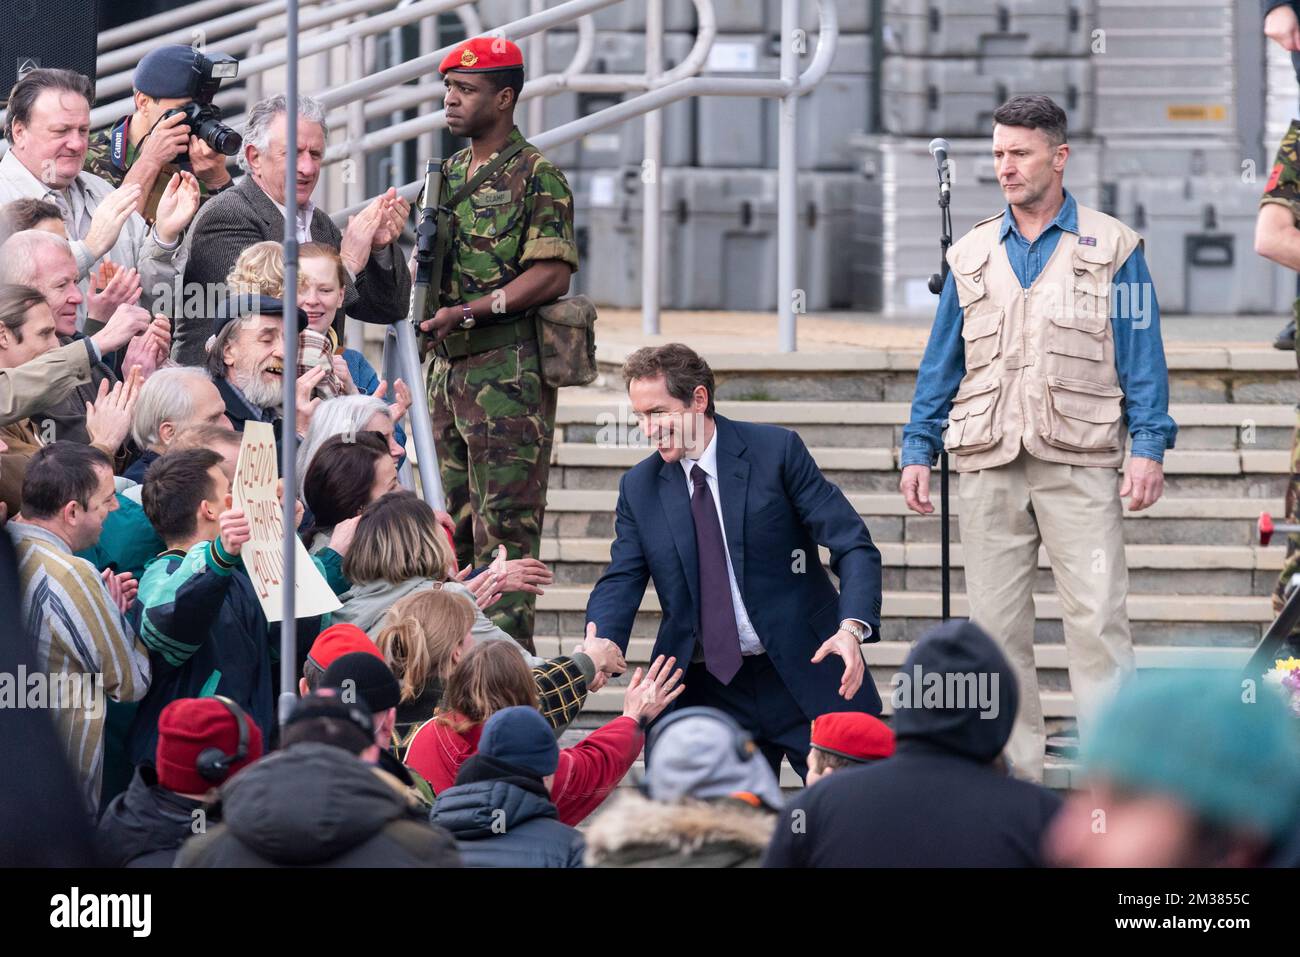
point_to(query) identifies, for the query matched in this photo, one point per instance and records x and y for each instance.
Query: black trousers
(759, 701)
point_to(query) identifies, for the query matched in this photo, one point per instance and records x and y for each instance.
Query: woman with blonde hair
(425, 635)
(490, 678)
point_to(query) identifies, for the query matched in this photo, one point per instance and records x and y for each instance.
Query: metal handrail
(428, 63)
(389, 91)
(152, 26)
(262, 62)
(224, 27)
(672, 86)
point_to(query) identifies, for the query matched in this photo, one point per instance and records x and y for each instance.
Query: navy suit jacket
(777, 508)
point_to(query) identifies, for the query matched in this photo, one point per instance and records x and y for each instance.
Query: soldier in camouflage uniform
(1278, 238)
(512, 249)
(142, 147)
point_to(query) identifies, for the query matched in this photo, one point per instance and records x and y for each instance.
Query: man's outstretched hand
(846, 646)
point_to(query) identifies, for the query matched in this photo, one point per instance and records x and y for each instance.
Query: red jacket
(586, 774)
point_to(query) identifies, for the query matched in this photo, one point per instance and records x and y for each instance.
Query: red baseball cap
(853, 735)
(483, 54)
(339, 640)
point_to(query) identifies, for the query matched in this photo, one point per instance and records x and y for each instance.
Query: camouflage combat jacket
(522, 214)
(1284, 180)
(111, 164)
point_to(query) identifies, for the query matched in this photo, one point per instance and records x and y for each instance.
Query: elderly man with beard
(45, 262)
(246, 360)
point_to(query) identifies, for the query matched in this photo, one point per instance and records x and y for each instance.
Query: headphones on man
(742, 740)
(213, 764)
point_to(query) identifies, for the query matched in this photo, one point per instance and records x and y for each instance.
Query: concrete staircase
(1199, 582)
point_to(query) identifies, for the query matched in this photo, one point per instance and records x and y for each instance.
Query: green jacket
(128, 542)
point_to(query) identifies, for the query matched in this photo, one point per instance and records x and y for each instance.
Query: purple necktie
(717, 614)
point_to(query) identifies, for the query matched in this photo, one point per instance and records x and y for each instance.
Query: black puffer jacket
(146, 825)
(501, 816)
(316, 805)
(939, 801)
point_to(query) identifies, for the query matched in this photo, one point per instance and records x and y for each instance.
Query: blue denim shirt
(1139, 350)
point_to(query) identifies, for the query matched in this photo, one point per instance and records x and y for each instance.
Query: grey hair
(164, 398)
(18, 255)
(216, 346)
(257, 125)
(345, 415)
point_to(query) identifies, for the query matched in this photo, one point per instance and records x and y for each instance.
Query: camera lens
(220, 137)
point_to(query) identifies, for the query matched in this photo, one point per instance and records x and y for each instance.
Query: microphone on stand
(939, 150)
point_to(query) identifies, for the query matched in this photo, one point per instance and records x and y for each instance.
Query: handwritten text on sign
(256, 477)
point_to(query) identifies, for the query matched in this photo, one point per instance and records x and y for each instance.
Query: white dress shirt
(302, 223)
(708, 461)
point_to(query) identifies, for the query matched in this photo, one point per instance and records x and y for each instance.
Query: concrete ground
(733, 332)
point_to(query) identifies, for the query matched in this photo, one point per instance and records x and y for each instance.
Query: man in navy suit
(726, 518)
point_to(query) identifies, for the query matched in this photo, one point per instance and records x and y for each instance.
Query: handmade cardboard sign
(256, 477)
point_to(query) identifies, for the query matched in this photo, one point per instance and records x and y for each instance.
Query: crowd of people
(426, 733)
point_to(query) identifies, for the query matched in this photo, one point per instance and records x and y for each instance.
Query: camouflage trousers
(1291, 565)
(494, 426)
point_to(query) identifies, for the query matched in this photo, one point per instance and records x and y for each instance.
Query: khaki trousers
(1076, 513)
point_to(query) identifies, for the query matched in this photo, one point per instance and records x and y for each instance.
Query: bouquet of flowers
(1285, 675)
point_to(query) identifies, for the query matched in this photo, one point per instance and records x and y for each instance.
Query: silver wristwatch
(467, 316)
(854, 629)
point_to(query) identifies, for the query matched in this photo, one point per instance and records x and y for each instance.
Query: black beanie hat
(368, 677)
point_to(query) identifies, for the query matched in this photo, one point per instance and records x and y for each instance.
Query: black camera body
(202, 116)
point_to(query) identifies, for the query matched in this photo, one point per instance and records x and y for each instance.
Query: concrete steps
(1171, 569)
(1248, 473)
(594, 416)
(1199, 374)
(1184, 520)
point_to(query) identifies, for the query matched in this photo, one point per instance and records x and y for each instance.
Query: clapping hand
(150, 350)
(401, 403)
(395, 213)
(109, 218)
(122, 588)
(359, 236)
(110, 287)
(179, 203)
(108, 418)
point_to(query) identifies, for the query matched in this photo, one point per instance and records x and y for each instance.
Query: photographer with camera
(174, 127)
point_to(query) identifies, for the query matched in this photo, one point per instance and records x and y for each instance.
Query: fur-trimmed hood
(634, 831)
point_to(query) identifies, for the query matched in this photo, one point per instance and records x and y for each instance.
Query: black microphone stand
(936, 286)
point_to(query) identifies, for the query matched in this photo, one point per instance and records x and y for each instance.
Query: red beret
(339, 640)
(481, 54)
(853, 735)
(186, 728)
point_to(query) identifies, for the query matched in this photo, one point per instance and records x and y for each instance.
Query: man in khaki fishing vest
(1045, 353)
